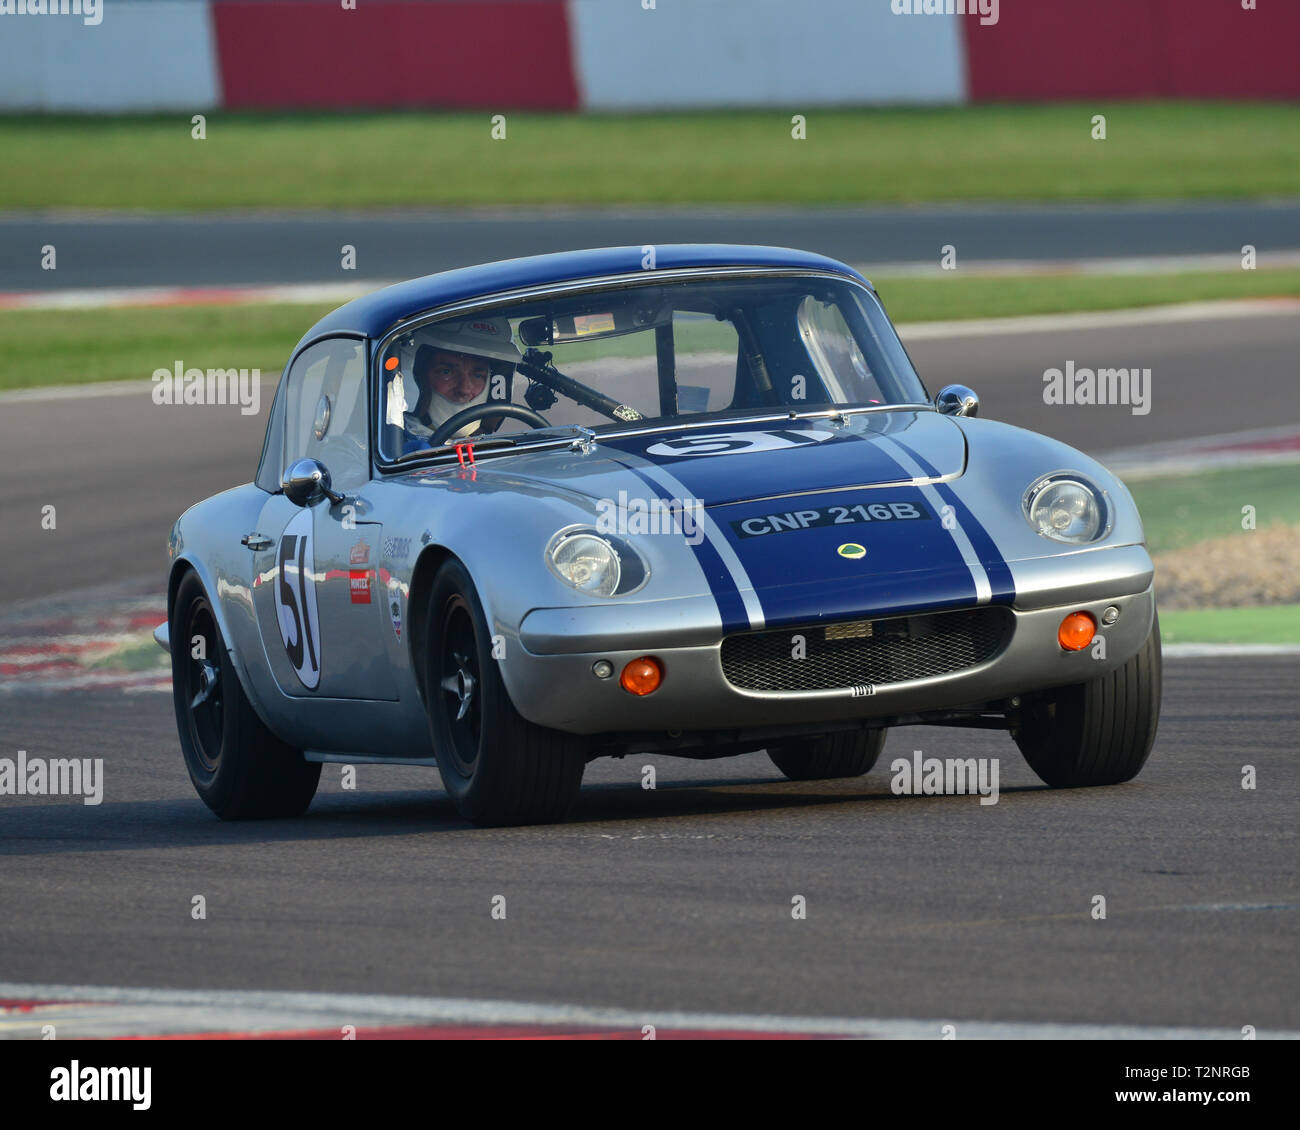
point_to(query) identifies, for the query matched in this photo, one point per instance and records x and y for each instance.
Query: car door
(315, 592)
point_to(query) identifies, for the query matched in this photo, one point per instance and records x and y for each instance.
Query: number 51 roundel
(295, 599)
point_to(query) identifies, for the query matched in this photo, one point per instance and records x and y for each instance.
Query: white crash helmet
(479, 337)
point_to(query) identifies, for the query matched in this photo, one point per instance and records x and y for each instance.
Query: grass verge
(56, 347)
(50, 347)
(1273, 624)
(1179, 511)
(1154, 150)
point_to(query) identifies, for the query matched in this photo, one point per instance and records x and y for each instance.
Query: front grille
(861, 652)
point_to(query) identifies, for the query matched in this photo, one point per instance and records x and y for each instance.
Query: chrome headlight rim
(634, 570)
(1100, 497)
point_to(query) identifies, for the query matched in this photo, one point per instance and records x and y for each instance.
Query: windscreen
(638, 356)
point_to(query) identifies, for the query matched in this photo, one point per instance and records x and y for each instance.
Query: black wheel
(496, 765)
(1096, 733)
(239, 768)
(848, 754)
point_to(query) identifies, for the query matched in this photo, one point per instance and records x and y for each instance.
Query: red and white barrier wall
(626, 54)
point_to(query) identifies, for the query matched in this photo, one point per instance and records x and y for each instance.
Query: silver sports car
(691, 499)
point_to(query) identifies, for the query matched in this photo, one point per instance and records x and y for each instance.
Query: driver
(453, 370)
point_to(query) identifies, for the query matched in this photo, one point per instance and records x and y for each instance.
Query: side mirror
(306, 482)
(957, 400)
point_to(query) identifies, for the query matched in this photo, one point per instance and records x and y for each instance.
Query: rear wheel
(239, 768)
(497, 766)
(849, 754)
(1096, 733)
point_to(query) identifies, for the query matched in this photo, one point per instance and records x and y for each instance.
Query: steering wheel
(450, 427)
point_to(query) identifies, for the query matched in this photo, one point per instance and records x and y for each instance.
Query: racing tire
(849, 754)
(239, 768)
(497, 767)
(1099, 732)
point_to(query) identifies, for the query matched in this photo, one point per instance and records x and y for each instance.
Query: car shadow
(49, 828)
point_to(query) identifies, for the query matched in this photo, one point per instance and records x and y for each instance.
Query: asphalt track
(929, 908)
(932, 908)
(208, 250)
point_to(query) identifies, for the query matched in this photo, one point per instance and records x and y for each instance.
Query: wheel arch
(501, 611)
(180, 568)
(431, 559)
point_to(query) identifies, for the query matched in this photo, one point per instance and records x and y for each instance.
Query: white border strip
(276, 1010)
(100, 388)
(1104, 319)
(118, 297)
(1117, 265)
(1227, 650)
(1225, 449)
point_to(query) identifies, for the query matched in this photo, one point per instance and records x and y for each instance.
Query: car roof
(374, 313)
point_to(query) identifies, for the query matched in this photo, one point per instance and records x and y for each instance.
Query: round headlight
(588, 563)
(1065, 509)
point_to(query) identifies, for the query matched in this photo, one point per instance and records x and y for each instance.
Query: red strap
(463, 449)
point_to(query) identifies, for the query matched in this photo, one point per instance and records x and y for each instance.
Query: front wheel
(239, 768)
(850, 754)
(1096, 733)
(497, 766)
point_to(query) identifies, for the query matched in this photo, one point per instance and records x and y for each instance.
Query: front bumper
(552, 683)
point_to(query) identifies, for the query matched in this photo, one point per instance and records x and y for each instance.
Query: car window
(325, 410)
(706, 363)
(835, 354)
(643, 354)
(703, 353)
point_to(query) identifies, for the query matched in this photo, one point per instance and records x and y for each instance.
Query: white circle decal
(733, 443)
(295, 599)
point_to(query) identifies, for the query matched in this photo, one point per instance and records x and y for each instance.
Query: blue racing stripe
(731, 608)
(995, 565)
(801, 578)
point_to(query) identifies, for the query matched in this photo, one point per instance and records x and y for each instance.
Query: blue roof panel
(375, 313)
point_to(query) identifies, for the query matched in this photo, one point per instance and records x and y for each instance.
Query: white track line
(1226, 449)
(1127, 265)
(119, 297)
(92, 298)
(1103, 319)
(215, 1010)
(1227, 650)
(142, 388)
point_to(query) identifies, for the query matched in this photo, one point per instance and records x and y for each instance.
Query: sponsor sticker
(396, 549)
(359, 585)
(852, 550)
(395, 612)
(592, 323)
(360, 554)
